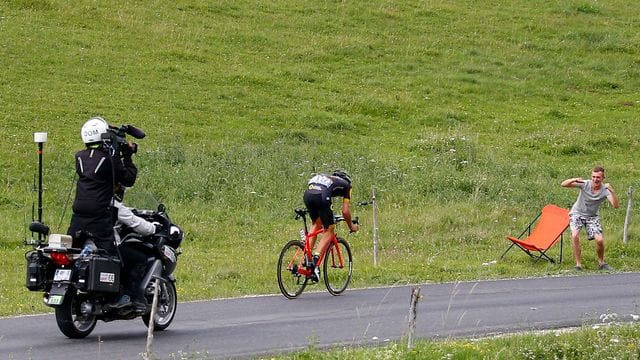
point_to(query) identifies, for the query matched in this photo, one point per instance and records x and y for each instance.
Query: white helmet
(93, 129)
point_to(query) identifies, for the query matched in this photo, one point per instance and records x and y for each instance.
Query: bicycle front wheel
(337, 266)
(291, 282)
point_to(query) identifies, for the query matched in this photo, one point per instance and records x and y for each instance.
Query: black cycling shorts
(319, 205)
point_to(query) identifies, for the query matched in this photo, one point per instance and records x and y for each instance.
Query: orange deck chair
(552, 222)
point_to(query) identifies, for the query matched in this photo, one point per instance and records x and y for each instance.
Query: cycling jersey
(317, 198)
(330, 186)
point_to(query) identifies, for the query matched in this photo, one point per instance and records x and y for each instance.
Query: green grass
(597, 342)
(464, 116)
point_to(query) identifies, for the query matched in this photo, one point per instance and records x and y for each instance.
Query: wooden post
(413, 310)
(375, 227)
(628, 216)
(99, 347)
(152, 317)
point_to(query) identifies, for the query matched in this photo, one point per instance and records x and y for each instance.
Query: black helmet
(343, 175)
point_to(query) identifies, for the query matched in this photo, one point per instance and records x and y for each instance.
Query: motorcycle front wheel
(70, 319)
(166, 308)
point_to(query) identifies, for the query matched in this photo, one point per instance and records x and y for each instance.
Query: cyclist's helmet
(92, 130)
(343, 175)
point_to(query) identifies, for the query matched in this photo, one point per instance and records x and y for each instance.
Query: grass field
(609, 342)
(465, 116)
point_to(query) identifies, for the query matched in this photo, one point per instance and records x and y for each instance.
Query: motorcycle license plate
(169, 253)
(62, 275)
(55, 300)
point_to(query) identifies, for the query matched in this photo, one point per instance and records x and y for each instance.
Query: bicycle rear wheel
(291, 283)
(337, 266)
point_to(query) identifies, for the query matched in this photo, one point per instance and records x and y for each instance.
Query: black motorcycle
(83, 286)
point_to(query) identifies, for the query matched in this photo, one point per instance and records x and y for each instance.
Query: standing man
(585, 212)
(317, 198)
(99, 168)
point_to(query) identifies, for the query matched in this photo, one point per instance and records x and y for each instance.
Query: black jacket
(97, 173)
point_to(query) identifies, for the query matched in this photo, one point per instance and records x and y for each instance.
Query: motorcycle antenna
(66, 203)
(40, 138)
(33, 204)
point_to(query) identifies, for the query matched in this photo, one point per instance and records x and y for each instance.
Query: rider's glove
(129, 149)
(158, 227)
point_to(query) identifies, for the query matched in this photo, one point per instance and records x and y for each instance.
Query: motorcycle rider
(128, 218)
(99, 167)
(133, 259)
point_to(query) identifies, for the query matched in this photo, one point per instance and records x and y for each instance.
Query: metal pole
(627, 218)
(40, 138)
(40, 146)
(375, 227)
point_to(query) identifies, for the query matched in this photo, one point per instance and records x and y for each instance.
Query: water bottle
(86, 251)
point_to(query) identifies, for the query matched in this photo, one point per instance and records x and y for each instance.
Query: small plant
(588, 9)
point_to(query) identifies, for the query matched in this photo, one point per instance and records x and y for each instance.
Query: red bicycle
(295, 267)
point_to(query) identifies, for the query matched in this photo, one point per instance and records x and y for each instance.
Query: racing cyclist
(317, 198)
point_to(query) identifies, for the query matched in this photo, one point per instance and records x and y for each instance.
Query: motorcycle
(82, 286)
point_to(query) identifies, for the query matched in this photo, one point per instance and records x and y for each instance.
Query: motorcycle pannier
(99, 273)
(36, 271)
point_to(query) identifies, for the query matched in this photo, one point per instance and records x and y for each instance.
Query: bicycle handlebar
(301, 212)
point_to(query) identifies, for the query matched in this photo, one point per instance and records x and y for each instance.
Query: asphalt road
(252, 326)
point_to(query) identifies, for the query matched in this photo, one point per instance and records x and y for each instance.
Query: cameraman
(105, 161)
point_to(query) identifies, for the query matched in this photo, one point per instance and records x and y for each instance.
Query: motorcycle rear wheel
(69, 319)
(166, 309)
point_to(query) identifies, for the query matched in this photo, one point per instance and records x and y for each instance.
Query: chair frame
(543, 253)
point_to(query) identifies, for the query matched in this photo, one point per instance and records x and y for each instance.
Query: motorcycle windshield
(141, 200)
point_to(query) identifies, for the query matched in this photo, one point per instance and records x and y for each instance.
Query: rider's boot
(139, 307)
(124, 301)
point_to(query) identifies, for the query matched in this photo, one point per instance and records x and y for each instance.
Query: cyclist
(317, 198)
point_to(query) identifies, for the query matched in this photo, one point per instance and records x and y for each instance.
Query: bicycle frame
(308, 250)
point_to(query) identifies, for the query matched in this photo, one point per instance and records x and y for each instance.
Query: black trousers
(134, 265)
(98, 228)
